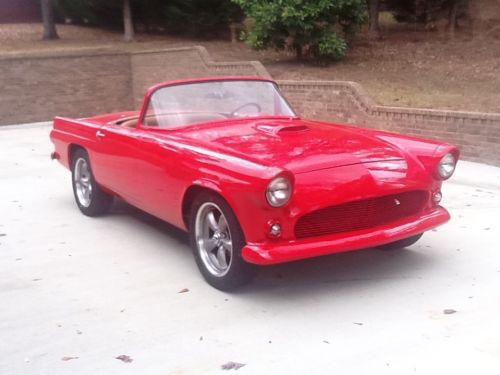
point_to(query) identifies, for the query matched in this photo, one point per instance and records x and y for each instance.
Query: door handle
(100, 134)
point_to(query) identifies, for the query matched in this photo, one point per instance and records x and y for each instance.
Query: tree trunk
(233, 32)
(452, 18)
(373, 11)
(49, 25)
(128, 25)
(299, 53)
(474, 18)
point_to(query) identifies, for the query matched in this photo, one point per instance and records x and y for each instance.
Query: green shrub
(423, 11)
(199, 18)
(316, 29)
(93, 12)
(329, 47)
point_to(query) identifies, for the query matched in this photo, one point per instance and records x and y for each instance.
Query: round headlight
(446, 166)
(278, 192)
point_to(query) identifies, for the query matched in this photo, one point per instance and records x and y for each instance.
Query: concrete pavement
(76, 292)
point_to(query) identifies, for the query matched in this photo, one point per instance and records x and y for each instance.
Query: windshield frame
(153, 89)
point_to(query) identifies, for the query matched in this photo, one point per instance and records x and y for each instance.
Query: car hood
(296, 145)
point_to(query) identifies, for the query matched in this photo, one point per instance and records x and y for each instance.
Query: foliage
(93, 12)
(194, 17)
(200, 17)
(423, 11)
(329, 47)
(316, 29)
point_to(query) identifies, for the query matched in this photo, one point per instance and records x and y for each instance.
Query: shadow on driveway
(339, 273)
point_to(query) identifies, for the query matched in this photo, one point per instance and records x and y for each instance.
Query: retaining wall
(37, 87)
(477, 134)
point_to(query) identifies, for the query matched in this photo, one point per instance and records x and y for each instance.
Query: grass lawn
(404, 68)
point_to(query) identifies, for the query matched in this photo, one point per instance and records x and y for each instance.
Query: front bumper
(280, 252)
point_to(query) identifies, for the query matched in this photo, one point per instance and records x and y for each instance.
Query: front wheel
(401, 243)
(89, 197)
(217, 239)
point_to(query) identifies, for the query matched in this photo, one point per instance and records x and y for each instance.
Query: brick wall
(158, 66)
(38, 87)
(476, 134)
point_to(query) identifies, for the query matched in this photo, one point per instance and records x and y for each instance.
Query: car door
(162, 174)
(117, 161)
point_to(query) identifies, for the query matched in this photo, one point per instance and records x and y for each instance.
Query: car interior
(171, 120)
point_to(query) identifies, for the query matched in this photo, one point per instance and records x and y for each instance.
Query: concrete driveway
(76, 292)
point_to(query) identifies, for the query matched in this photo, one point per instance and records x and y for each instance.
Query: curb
(30, 125)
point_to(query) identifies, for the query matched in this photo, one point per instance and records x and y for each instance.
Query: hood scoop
(281, 129)
(293, 128)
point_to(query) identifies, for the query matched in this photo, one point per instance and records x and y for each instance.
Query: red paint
(328, 164)
(270, 253)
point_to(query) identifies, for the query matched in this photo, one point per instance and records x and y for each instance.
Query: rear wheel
(89, 197)
(217, 239)
(401, 243)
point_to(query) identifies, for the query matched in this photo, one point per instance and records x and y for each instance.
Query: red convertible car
(228, 160)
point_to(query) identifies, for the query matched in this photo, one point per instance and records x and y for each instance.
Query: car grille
(360, 214)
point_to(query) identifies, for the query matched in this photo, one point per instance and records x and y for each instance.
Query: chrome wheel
(213, 239)
(83, 182)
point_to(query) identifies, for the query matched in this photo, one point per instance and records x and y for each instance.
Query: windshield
(184, 104)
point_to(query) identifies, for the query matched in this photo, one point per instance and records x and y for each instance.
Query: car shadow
(342, 272)
(122, 208)
(339, 273)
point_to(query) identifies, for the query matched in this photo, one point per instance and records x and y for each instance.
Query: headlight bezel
(278, 191)
(446, 166)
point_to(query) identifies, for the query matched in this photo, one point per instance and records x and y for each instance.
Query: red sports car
(228, 160)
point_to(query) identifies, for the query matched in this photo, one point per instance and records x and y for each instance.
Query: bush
(199, 18)
(423, 11)
(92, 12)
(315, 29)
(329, 47)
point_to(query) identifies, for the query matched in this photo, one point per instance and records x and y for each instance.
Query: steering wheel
(258, 108)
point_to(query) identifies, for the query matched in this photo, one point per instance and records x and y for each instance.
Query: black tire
(97, 202)
(238, 272)
(401, 243)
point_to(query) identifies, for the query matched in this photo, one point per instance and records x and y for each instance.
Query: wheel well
(191, 193)
(71, 151)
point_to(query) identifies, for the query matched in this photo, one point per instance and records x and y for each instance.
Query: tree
(317, 29)
(452, 16)
(49, 25)
(373, 12)
(428, 12)
(128, 24)
(199, 18)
